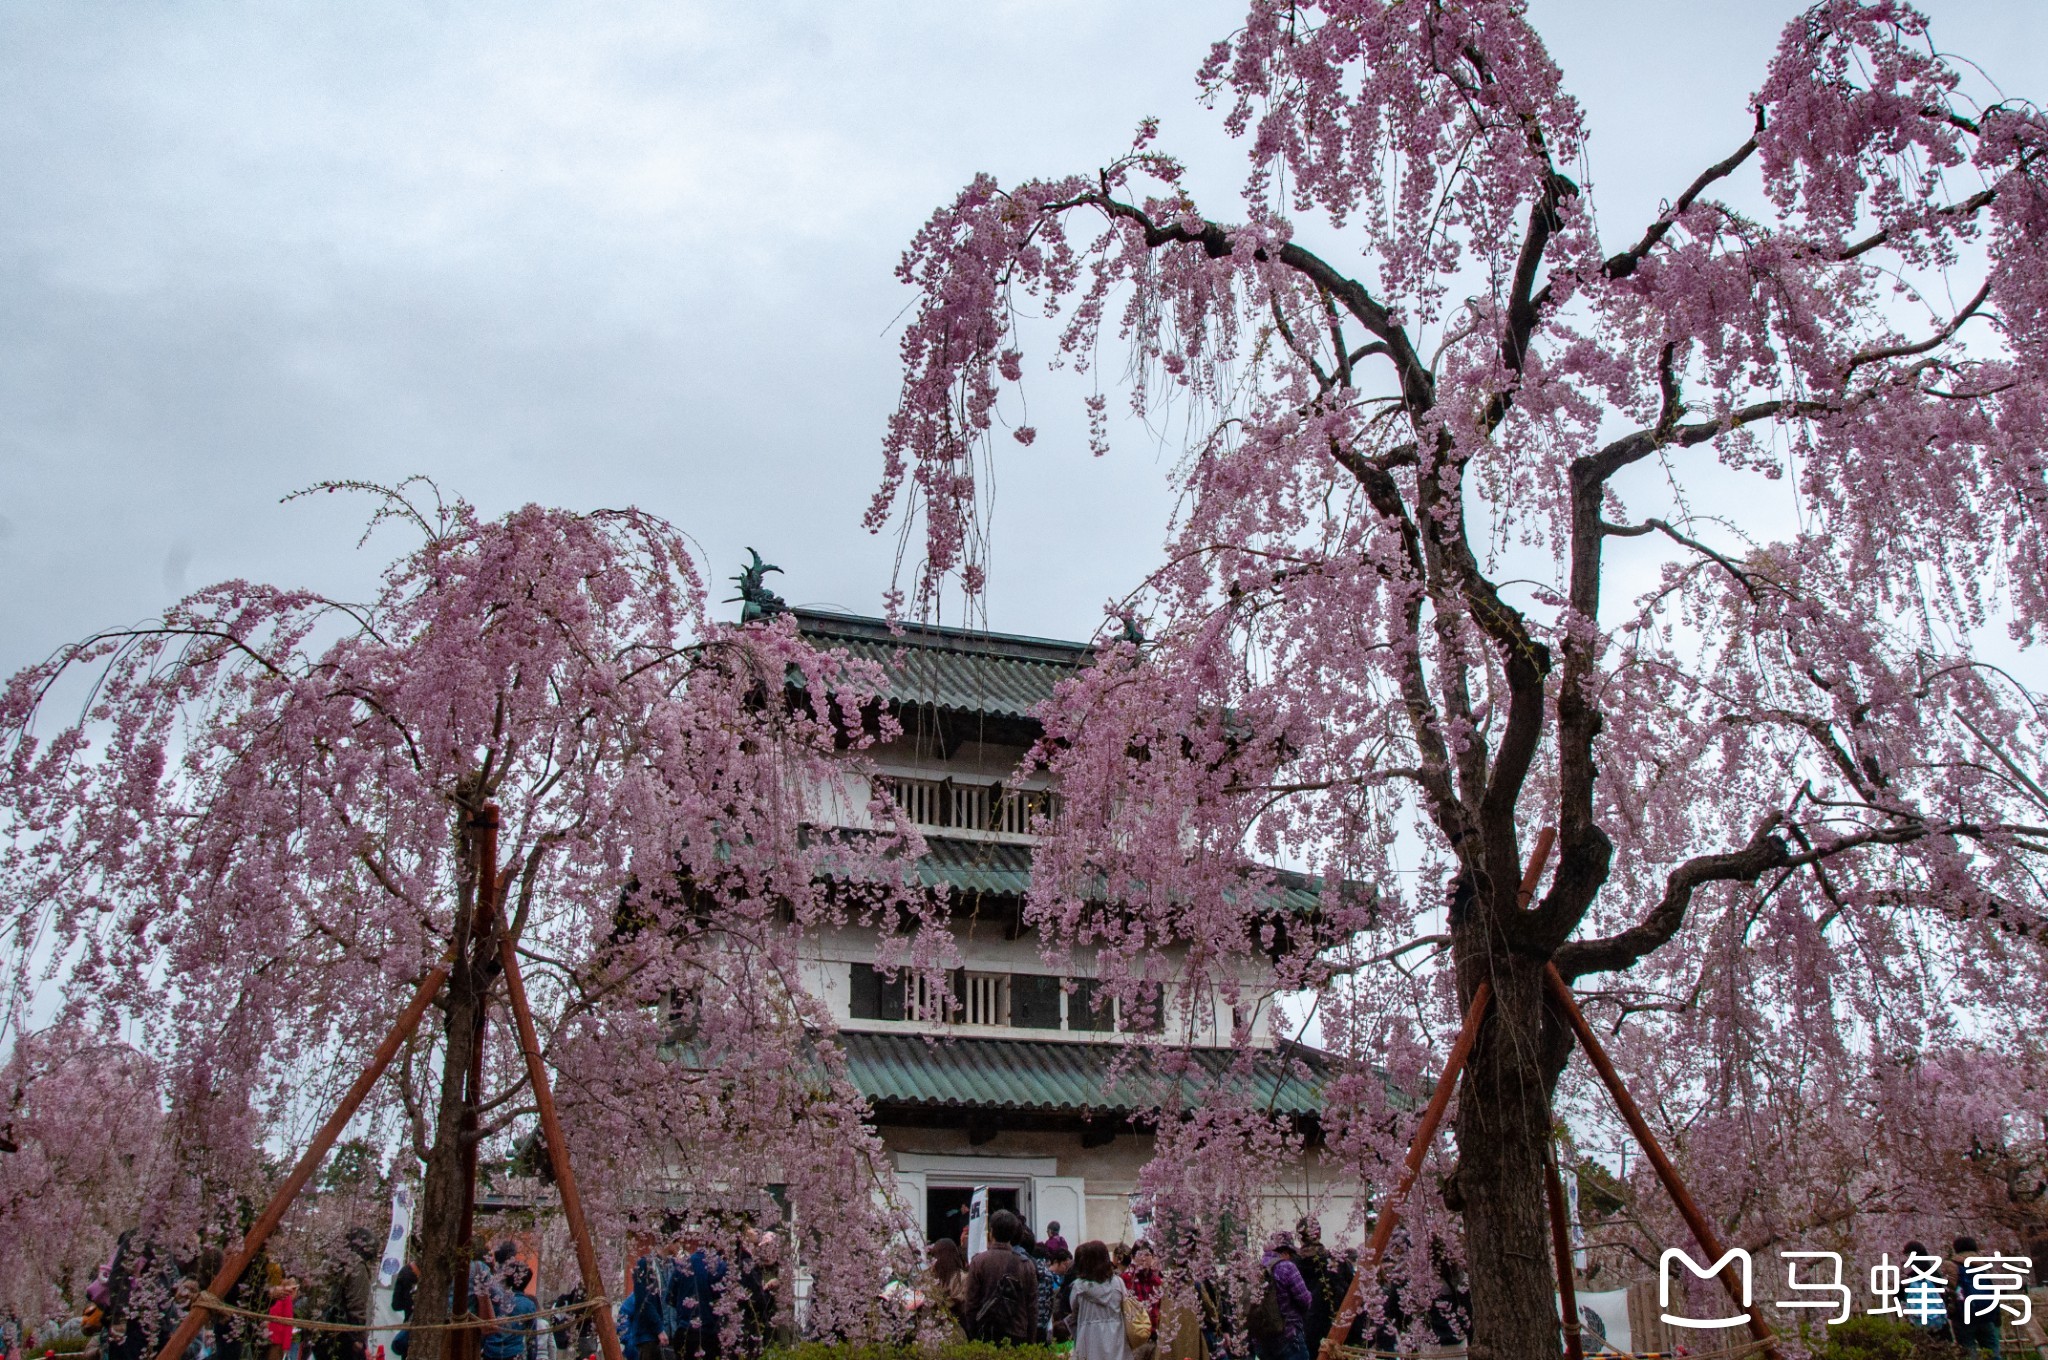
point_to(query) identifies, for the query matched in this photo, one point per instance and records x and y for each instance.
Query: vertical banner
(977, 1222)
(1571, 1204)
(394, 1241)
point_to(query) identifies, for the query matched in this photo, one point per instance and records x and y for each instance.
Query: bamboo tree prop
(1709, 1240)
(551, 1124)
(1425, 1132)
(252, 1242)
(1561, 1249)
(1418, 1149)
(1540, 856)
(487, 917)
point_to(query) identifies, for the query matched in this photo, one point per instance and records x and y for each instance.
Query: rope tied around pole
(208, 1301)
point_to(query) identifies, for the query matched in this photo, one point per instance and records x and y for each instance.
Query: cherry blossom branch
(2039, 795)
(1968, 207)
(1436, 944)
(1624, 264)
(1764, 852)
(1523, 309)
(1660, 526)
(1932, 342)
(1417, 384)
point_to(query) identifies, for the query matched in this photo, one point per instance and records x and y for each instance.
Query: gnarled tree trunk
(1503, 1128)
(438, 1234)
(446, 1198)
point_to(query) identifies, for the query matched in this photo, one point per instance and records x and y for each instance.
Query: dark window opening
(1034, 1001)
(1089, 1008)
(945, 1209)
(875, 996)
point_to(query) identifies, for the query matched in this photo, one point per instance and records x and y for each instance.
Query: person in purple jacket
(1294, 1299)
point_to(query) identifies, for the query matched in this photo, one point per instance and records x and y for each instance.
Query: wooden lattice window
(924, 997)
(985, 999)
(946, 804)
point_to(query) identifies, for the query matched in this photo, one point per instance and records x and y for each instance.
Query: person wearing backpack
(575, 1335)
(511, 1337)
(696, 1284)
(1002, 1288)
(644, 1322)
(1278, 1322)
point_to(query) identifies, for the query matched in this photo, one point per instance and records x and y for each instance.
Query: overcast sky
(592, 255)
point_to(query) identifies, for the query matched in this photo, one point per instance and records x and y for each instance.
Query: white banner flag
(394, 1241)
(1571, 1200)
(977, 1222)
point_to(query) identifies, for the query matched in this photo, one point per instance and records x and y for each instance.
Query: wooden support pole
(1538, 857)
(1561, 1248)
(232, 1269)
(1709, 1240)
(558, 1145)
(1418, 1149)
(1425, 1132)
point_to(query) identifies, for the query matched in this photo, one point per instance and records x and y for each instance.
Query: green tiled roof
(995, 676)
(999, 869)
(960, 669)
(1066, 1078)
(992, 867)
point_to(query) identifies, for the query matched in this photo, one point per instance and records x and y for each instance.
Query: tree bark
(1503, 1128)
(439, 1231)
(442, 1229)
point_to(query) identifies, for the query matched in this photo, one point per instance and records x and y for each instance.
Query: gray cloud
(590, 255)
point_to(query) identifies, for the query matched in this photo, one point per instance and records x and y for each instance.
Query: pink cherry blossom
(1692, 538)
(254, 839)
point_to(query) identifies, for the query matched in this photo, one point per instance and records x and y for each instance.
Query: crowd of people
(136, 1299)
(1127, 1303)
(500, 1293)
(689, 1300)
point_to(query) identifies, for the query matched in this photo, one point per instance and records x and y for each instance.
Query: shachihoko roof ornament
(755, 599)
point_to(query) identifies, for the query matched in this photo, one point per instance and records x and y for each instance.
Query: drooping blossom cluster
(83, 1135)
(1714, 541)
(252, 843)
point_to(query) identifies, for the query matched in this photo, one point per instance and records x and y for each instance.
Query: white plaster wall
(972, 761)
(1307, 1184)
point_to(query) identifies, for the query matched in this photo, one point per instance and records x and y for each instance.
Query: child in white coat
(1098, 1302)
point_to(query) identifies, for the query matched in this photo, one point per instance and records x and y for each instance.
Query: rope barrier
(213, 1303)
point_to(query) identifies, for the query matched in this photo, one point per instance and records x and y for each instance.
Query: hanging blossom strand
(256, 837)
(1689, 537)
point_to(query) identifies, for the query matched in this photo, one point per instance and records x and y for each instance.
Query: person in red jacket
(283, 1298)
(1143, 1281)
